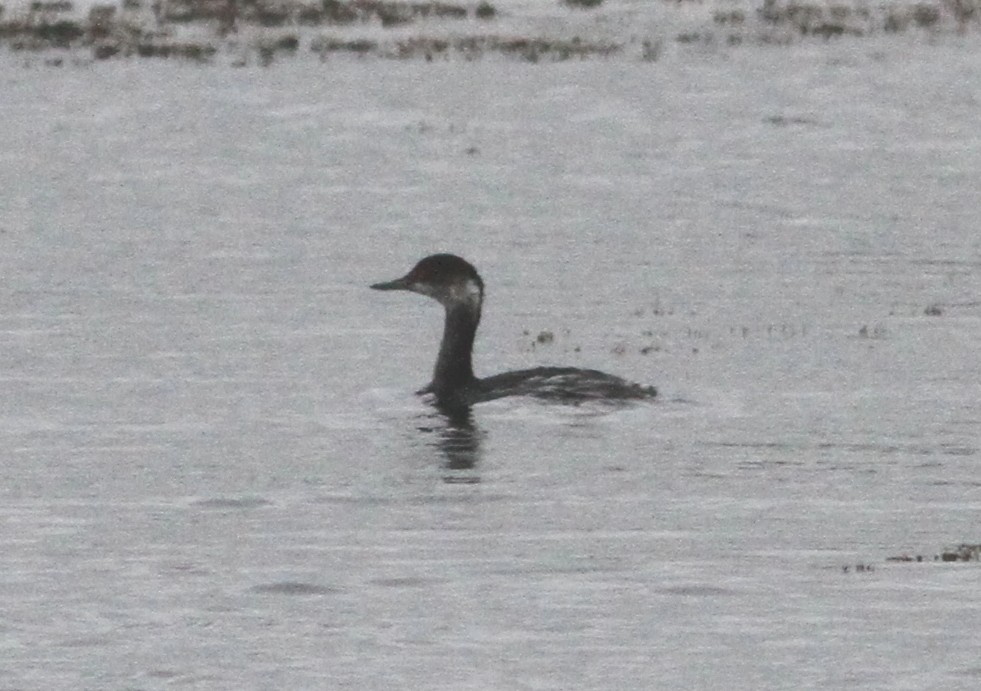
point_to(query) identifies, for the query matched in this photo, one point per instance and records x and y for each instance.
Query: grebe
(456, 285)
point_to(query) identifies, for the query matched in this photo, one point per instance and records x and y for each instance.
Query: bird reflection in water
(458, 439)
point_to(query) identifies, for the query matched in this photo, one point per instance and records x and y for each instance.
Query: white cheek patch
(472, 293)
(467, 293)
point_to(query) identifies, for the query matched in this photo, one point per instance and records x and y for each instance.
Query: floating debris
(962, 552)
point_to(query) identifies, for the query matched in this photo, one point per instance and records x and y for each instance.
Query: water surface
(216, 475)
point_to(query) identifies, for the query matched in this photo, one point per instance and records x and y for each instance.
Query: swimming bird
(455, 284)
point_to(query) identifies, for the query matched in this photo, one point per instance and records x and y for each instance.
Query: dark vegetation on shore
(156, 28)
(199, 29)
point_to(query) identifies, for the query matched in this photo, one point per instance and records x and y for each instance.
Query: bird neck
(454, 365)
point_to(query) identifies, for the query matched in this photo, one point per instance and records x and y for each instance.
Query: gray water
(215, 474)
